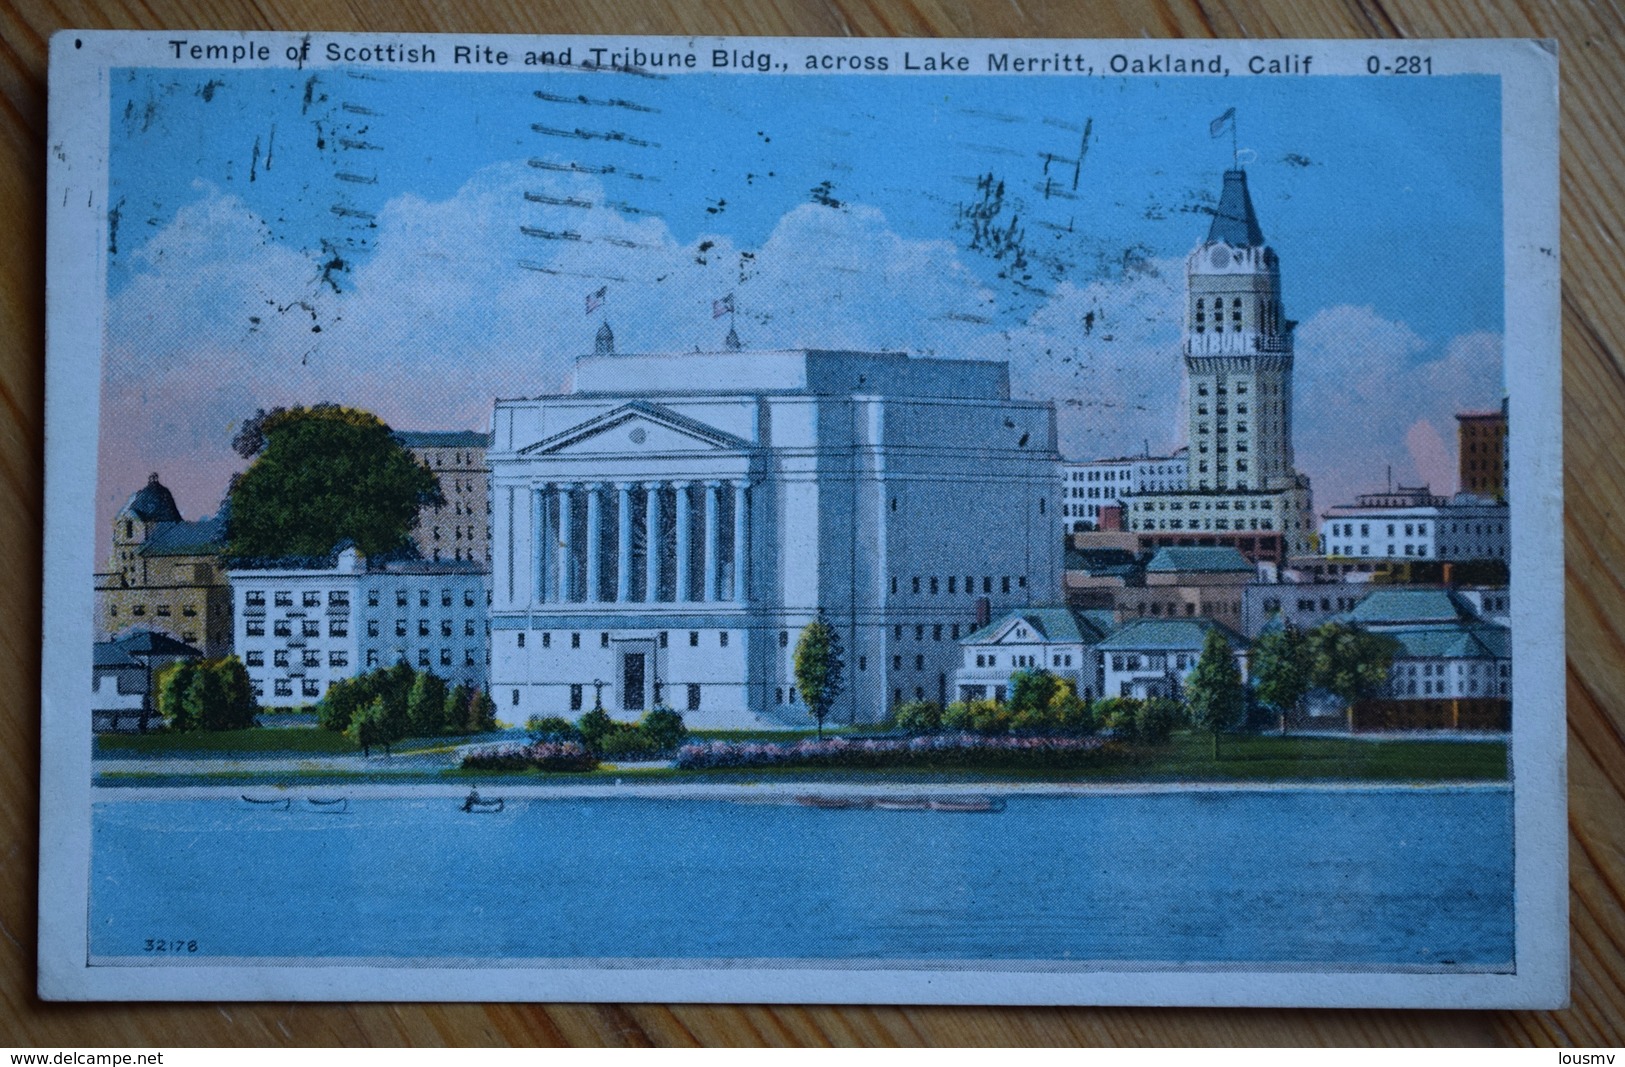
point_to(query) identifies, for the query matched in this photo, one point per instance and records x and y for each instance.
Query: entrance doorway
(633, 668)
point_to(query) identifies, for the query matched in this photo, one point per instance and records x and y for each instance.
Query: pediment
(637, 429)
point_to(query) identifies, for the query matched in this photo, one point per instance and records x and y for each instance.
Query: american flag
(722, 307)
(1222, 123)
(596, 300)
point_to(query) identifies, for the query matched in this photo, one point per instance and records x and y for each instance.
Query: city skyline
(430, 221)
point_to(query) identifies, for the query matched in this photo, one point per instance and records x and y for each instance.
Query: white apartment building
(1060, 640)
(1091, 485)
(302, 625)
(1412, 523)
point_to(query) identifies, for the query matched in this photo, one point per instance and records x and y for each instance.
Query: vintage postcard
(803, 520)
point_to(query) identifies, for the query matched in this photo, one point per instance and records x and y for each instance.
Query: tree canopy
(1351, 662)
(1281, 669)
(1214, 690)
(322, 475)
(818, 668)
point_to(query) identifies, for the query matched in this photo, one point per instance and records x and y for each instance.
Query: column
(541, 557)
(563, 593)
(708, 580)
(595, 539)
(741, 549)
(623, 542)
(651, 541)
(684, 534)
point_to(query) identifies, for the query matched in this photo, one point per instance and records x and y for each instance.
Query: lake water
(1359, 878)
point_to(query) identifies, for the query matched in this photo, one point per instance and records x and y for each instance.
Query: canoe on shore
(329, 804)
(283, 803)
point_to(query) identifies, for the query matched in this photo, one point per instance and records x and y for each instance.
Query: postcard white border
(76, 219)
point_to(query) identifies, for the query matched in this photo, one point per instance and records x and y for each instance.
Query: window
(468, 598)
(284, 599)
(445, 598)
(338, 659)
(313, 599)
(423, 598)
(576, 696)
(936, 632)
(338, 598)
(255, 659)
(664, 635)
(445, 627)
(311, 627)
(694, 639)
(897, 663)
(311, 687)
(722, 639)
(951, 580)
(338, 628)
(1004, 584)
(919, 632)
(468, 627)
(400, 627)
(423, 657)
(400, 598)
(575, 640)
(423, 627)
(778, 695)
(445, 657)
(916, 585)
(894, 585)
(254, 598)
(863, 661)
(784, 638)
(372, 657)
(283, 628)
(311, 658)
(693, 697)
(933, 586)
(256, 628)
(547, 640)
(280, 657)
(284, 687)
(919, 663)
(514, 700)
(372, 598)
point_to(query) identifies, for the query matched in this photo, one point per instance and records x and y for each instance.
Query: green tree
(1031, 692)
(1282, 670)
(455, 712)
(171, 683)
(664, 728)
(594, 727)
(818, 668)
(1350, 662)
(237, 707)
(322, 475)
(366, 727)
(1214, 690)
(1118, 714)
(482, 713)
(1068, 713)
(426, 705)
(917, 716)
(1155, 719)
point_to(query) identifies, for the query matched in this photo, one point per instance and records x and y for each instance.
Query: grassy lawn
(312, 740)
(1264, 758)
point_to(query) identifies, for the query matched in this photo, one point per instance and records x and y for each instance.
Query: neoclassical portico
(672, 541)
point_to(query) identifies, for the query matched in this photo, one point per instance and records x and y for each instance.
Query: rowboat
(902, 803)
(818, 800)
(333, 805)
(284, 803)
(475, 804)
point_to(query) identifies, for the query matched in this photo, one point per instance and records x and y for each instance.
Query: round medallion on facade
(637, 435)
(1220, 257)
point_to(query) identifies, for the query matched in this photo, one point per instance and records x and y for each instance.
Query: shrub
(551, 728)
(664, 728)
(944, 750)
(592, 726)
(918, 716)
(1119, 715)
(567, 756)
(212, 694)
(1157, 718)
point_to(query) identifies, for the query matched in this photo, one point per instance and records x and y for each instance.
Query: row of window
(1199, 524)
(1208, 608)
(1022, 659)
(1158, 662)
(663, 638)
(932, 585)
(161, 610)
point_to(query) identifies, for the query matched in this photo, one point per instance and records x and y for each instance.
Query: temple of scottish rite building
(664, 531)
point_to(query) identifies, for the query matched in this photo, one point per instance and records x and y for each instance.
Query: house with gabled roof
(1153, 657)
(1058, 639)
(1453, 668)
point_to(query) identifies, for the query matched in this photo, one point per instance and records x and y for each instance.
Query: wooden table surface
(1591, 35)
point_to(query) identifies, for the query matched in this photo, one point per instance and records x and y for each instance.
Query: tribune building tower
(1242, 489)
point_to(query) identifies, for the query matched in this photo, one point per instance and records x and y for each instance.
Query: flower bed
(539, 756)
(963, 750)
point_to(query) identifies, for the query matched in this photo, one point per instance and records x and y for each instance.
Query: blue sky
(288, 236)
